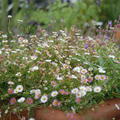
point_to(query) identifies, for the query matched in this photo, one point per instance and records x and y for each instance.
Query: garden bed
(64, 73)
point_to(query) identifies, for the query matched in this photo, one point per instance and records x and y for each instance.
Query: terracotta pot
(117, 34)
(117, 37)
(47, 113)
(17, 116)
(106, 111)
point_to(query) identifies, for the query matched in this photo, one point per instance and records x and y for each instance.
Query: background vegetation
(55, 15)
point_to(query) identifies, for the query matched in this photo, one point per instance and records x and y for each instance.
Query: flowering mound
(62, 70)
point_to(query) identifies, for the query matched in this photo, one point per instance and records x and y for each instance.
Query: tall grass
(15, 7)
(110, 10)
(4, 14)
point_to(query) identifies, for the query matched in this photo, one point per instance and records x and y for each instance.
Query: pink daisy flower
(12, 101)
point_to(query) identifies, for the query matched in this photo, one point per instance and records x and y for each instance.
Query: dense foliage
(57, 15)
(63, 70)
(67, 70)
(63, 15)
(110, 10)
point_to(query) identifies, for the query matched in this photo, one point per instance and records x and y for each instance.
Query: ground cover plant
(64, 70)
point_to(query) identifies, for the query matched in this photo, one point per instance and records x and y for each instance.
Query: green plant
(110, 10)
(8, 22)
(62, 70)
(63, 15)
(4, 15)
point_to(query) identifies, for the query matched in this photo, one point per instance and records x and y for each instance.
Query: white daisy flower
(37, 95)
(90, 69)
(88, 88)
(19, 88)
(15, 91)
(34, 68)
(84, 71)
(77, 69)
(34, 57)
(82, 88)
(97, 77)
(44, 99)
(21, 100)
(59, 77)
(45, 88)
(25, 58)
(79, 95)
(83, 77)
(101, 70)
(38, 91)
(48, 60)
(32, 91)
(11, 83)
(37, 51)
(73, 76)
(13, 51)
(99, 23)
(18, 74)
(54, 93)
(83, 93)
(111, 56)
(86, 53)
(103, 77)
(74, 91)
(4, 36)
(97, 89)
(53, 63)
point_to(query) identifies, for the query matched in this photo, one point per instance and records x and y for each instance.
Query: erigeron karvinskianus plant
(54, 71)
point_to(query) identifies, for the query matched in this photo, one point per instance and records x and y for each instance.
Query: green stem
(4, 16)
(15, 7)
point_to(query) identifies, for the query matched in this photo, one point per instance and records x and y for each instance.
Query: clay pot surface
(117, 34)
(44, 113)
(106, 111)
